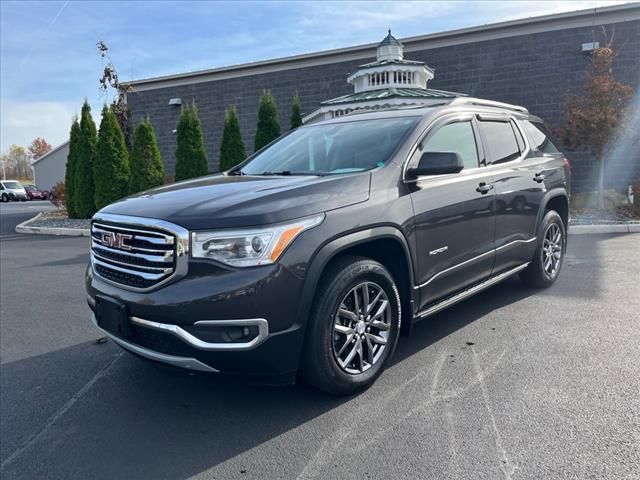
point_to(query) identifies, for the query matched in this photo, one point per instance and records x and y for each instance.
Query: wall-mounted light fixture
(175, 101)
(590, 47)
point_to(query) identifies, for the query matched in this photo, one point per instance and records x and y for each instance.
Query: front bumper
(167, 325)
(173, 360)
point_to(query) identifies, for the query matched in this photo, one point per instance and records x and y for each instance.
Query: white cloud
(24, 121)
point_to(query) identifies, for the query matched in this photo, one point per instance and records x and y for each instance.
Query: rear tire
(545, 266)
(353, 328)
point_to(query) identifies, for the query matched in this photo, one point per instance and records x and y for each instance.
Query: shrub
(268, 124)
(231, 147)
(112, 162)
(58, 197)
(70, 169)
(83, 181)
(147, 169)
(296, 115)
(191, 156)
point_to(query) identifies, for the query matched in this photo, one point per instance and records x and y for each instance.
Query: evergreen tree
(147, 169)
(268, 123)
(231, 148)
(112, 161)
(191, 156)
(296, 116)
(70, 169)
(83, 183)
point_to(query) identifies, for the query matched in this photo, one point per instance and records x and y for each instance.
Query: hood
(221, 201)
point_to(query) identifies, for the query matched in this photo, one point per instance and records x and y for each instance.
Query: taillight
(567, 163)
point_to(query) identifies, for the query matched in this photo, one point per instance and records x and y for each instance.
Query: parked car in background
(318, 251)
(34, 193)
(12, 190)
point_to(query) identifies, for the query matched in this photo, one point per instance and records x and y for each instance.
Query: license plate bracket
(112, 316)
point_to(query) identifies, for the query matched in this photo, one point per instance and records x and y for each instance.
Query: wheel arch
(558, 200)
(382, 244)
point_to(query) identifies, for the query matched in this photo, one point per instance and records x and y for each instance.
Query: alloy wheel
(361, 327)
(552, 250)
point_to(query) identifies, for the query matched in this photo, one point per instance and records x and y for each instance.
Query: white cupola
(390, 48)
(390, 81)
(390, 69)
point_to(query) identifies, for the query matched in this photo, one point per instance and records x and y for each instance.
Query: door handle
(539, 177)
(484, 188)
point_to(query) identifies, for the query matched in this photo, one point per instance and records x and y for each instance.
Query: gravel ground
(587, 216)
(57, 219)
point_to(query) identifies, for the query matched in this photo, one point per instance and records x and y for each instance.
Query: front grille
(132, 256)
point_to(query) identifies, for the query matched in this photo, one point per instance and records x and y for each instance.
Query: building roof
(506, 29)
(59, 147)
(393, 61)
(390, 40)
(392, 93)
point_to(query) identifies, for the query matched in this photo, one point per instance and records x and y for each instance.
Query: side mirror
(437, 163)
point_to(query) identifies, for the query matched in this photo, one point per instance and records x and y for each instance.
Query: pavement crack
(56, 416)
(507, 467)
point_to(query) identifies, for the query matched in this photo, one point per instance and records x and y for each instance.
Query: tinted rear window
(502, 145)
(539, 137)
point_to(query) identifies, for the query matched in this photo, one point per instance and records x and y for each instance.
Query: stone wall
(536, 70)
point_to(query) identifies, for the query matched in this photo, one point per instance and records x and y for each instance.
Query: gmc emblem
(116, 240)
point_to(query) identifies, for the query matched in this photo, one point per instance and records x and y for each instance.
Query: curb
(596, 229)
(69, 232)
(84, 232)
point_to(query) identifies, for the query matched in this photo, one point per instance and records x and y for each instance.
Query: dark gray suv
(315, 254)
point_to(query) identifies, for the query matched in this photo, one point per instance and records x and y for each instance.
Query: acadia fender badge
(439, 250)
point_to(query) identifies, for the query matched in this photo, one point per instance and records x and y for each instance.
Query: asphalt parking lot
(514, 383)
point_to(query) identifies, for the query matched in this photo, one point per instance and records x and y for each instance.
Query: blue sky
(49, 62)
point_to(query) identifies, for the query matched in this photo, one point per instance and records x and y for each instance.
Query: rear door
(454, 220)
(519, 189)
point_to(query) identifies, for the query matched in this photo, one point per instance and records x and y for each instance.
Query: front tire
(4, 198)
(354, 327)
(545, 266)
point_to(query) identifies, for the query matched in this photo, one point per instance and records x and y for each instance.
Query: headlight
(250, 247)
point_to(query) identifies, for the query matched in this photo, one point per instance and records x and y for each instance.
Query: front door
(454, 217)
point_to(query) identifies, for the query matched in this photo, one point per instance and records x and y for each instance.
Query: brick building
(535, 62)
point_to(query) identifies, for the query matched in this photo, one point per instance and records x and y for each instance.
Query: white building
(50, 168)
(389, 81)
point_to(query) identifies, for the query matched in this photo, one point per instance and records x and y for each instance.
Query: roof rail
(487, 103)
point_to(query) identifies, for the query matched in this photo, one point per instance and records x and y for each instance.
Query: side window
(538, 137)
(521, 145)
(501, 143)
(454, 137)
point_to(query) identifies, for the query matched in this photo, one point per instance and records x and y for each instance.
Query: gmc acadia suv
(318, 251)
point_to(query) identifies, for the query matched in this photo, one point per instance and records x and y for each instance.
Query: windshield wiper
(284, 173)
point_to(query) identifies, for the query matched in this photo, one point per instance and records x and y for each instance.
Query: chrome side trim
(471, 260)
(472, 291)
(182, 334)
(516, 242)
(127, 222)
(182, 362)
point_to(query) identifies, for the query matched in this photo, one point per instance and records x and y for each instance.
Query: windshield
(30, 188)
(332, 149)
(12, 185)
